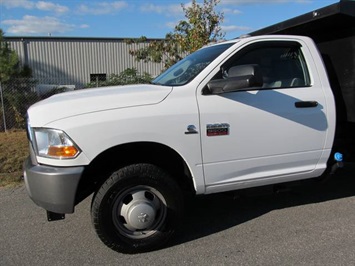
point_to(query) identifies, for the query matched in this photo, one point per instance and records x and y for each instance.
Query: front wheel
(137, 209)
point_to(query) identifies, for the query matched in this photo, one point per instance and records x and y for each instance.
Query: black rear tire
(137, 209)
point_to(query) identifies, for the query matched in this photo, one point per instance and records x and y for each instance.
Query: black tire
(137, 209)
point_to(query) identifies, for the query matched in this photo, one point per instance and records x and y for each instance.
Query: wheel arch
(119, 156)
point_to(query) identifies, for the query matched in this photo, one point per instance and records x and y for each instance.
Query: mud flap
(53, 216)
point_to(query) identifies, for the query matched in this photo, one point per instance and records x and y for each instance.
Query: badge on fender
(217, 129)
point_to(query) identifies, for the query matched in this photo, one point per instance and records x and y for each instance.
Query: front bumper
(52, 188)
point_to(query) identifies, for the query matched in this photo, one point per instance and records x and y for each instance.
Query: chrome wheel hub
(139, 212)
(140, 215)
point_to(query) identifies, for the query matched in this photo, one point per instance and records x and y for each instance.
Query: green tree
(16, 84)
(9, 61)
(10, 67)
(200, 27)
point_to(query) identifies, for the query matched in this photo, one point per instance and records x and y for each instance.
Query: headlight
(53, 143)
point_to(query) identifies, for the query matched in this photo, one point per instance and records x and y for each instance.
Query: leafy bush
(128, 76)
(16, 105)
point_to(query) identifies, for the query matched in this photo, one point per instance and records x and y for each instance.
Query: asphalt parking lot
(311, 224)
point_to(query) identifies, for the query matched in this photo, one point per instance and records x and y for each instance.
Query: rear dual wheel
(137, 209)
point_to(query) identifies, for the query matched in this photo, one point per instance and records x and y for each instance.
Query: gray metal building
(77, 61)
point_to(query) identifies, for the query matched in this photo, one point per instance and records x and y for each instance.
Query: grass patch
(14, 150)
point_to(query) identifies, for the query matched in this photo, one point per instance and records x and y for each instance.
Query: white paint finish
(269, 136)
(87, 101)
(261, 171)
(266, 125)
(164, 123)
(270, 140)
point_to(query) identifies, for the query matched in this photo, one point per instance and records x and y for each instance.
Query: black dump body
(333, 30)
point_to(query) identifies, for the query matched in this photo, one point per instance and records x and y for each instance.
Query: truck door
(260, 135)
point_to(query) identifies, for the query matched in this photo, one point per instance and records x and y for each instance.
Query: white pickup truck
(243, 113)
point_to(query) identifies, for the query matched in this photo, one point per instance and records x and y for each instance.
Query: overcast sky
(134, 18)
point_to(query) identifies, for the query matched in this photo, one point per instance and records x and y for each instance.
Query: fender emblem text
(217, 129)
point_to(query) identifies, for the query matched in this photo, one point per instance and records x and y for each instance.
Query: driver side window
(282, 64)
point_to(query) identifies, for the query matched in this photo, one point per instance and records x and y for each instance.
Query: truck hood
(75, 103)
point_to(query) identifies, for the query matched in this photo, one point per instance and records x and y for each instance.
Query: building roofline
(58, 38)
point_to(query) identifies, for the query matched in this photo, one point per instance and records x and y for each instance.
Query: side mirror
(240, 78)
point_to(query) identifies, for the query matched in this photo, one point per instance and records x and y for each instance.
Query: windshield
(188, 68)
